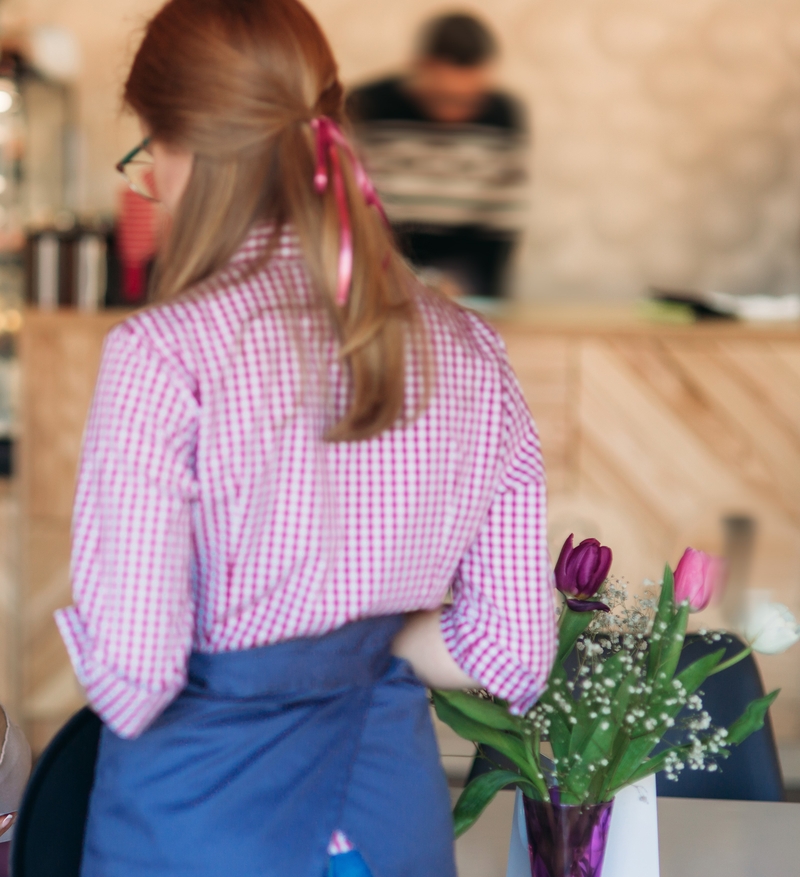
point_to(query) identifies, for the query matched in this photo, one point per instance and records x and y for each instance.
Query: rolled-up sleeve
(129, 630)
(500, 628)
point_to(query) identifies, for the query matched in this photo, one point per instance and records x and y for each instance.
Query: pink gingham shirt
(211, 514)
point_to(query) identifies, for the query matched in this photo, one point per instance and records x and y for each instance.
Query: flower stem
(624, 741)
(731, 661)
(534, 758)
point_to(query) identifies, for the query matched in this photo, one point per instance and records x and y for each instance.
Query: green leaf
(649, 766)
(634, 759)
(634, 764)
(559, 736)
(623, 696)
(664, 613)
(696, 673)
(666, 600)
(571, 626)
(477, 794)
(641, 747)
(478, 732)
(581, 730)
(751, 719)
(559, 732)
(598, 745)
(510, 744)
(635, 753)
(672, 645)
(481, 710)
(585, 726)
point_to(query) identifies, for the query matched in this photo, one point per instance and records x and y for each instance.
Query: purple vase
(566, 840)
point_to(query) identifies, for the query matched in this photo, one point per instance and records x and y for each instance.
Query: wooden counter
(60, 357)
(624, 321)
(652, 434)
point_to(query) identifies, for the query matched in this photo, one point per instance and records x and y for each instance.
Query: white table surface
(697, 838)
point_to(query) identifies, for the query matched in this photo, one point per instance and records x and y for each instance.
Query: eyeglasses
(137, 168)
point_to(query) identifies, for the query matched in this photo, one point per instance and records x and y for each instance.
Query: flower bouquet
(614, 692)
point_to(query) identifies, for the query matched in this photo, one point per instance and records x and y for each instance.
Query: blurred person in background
(448, 153)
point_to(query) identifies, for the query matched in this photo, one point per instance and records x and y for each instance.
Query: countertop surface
(640, 318)
(576, 319)
(697, 838)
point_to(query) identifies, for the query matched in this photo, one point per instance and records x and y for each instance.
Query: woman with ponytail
(291, 459)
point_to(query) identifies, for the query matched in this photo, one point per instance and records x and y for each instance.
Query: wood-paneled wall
(651, 436)
(60, 356)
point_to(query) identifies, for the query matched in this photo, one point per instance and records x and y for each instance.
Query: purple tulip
(580, 572)
(698, 578)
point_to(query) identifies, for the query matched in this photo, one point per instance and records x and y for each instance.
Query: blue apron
(264, 754)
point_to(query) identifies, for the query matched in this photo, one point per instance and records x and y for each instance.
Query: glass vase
(566, 840)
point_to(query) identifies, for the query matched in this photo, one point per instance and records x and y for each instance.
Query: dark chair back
(48, 837)
(752, 772)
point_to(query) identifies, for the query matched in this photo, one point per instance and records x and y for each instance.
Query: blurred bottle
(67, 268)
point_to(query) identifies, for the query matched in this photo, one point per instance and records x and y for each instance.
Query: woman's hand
(421, 643)
(6, 821)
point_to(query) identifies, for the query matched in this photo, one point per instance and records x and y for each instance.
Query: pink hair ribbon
(329, 136)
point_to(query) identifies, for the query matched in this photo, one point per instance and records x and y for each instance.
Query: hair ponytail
(238, 82)
(378, 320)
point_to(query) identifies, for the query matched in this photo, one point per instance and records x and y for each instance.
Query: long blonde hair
(237, 83)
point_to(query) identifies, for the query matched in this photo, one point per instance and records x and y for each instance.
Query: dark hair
(458, 39)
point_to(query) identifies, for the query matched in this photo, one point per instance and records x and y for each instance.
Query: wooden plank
(588, 320)
(656, 451)
(770, 462)
(679, 390)
(789, 357)
(546, 371)
(9, 594)
(765, 369)
(60, 358)
(603, 477)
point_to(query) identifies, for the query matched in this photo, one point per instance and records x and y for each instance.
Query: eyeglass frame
(121, 167)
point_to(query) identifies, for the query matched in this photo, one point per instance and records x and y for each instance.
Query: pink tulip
(699, 577)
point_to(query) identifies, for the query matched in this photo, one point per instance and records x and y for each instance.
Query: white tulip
(770, 628)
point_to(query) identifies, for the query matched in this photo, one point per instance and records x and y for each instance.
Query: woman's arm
(500, 628)
(129, 631)
(421, 643)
